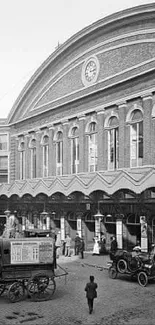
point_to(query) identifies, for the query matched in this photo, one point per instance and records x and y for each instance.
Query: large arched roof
(105, 25)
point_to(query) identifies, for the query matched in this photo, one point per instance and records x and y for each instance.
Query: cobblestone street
(119, 302)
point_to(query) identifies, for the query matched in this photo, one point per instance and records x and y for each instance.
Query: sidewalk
(99, 261)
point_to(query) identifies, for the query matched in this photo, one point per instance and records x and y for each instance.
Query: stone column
(82, 140)
(39, 155)
(27, 157)
(98, 226)
(119, 231)
(100, 139)
(147, 129)
(144, 235)
(122, 144)
(62, 227)
(52, 160)
(66, 149)
(48, 222)
(79, 224)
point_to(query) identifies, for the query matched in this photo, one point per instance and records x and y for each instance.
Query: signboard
(27, 252)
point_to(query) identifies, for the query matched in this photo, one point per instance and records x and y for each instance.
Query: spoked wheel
(142, 279)
(41, 287)
(122, 266)
(112, 272)
(2, 288)
(16, 292)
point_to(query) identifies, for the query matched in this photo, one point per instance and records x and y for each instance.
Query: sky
(30, 30)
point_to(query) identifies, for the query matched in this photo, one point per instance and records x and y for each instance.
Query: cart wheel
(2, 288)
(16, 292)
(41, 287)
(142, 279)
(122, 266)
(112, 272)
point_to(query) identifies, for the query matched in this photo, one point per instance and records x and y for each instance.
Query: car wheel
(121, 266)
(142, 279)
(112, 272)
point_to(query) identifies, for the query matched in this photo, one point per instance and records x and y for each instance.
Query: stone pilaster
(52, 154)
(82, 144)
(39, 155)
(100, 139)
(66, 149)
(147, 129)
(122, 147)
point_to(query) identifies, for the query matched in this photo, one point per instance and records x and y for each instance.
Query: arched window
(136, 138)
(59, 153)
(74, 150)
(113, 143)
(92, 147)
(33, 158)
(22, 160)
(45, 143)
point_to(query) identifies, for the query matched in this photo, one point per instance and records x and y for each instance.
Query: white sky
(31, 29)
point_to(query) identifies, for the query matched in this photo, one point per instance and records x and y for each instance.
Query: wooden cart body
(27, 264)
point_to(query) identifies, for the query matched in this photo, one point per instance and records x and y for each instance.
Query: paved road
(119, 302)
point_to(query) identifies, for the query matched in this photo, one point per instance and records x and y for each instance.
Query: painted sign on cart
(27, 252)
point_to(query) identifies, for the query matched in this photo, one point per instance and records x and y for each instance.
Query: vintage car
(141, 266)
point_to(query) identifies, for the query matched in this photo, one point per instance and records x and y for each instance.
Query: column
(122, 143)
(48, 221)
(119, 231)
(100, 139)
(82, 141)
(147, 129)
(52, 159)
(144, 235)
(79, 224)
(66, 149)
(39, 155)
(62, 227)
(27, 157)
(97, 227)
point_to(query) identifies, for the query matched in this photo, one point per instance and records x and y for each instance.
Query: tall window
(113, 143)
(92, 147)
(45, 155)
(75, 150)
(33, 159)
(3, 158)
(59, 153)
(22, 160)
(136, 139)
(3, 142)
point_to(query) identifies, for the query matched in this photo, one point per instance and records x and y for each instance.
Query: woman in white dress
(96, 248)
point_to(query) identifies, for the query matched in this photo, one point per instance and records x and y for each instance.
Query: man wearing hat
(77, 244)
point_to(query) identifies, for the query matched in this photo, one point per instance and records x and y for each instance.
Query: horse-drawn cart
(27, 267)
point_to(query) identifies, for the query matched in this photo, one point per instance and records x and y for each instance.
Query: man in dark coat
(91, 293)
(77, 244)
(113, 247)
(82, 247)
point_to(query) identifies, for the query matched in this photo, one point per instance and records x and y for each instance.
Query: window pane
(4, 162)
(3, 142)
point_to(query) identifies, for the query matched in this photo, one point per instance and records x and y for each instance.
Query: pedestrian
(77, 244)
(68, 245)
(58, 244)
(91, 293)
(96, 248)
(102, 244)
(82, 247)
(113, 247)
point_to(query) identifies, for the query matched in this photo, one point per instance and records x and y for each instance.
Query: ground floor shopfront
(114, 203)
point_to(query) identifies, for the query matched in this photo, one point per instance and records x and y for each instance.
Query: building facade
(79, 142)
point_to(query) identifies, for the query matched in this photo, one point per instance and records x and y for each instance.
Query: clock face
(90, 70)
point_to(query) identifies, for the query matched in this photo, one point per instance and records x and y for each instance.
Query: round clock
(90, 71)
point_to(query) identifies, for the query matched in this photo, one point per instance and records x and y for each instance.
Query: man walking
(68, 246)
(91, 293)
